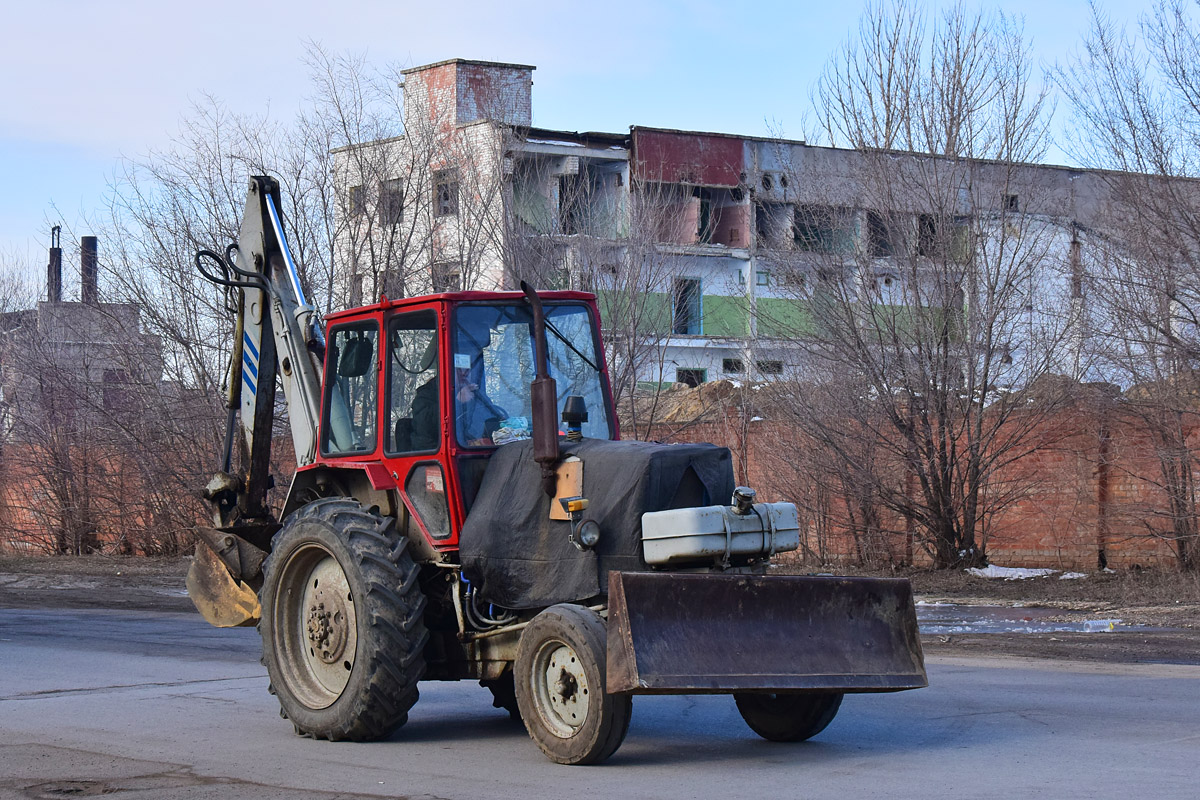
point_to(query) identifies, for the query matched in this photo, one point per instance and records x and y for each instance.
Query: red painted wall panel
(696, 158)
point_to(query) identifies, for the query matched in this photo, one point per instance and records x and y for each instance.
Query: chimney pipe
(89, 267)
(54, 268)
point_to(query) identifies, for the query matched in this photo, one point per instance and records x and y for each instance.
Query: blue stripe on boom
(250, 344)
(246, 379)
(249, 364)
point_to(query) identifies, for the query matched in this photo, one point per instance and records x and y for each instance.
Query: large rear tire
(560, 683)
(788, 717)
(342, 629)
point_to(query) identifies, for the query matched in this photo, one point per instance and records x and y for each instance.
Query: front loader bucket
(672, 633)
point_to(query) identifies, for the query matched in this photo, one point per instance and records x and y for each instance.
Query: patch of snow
(756, 419)
(735, 383)
(1009, 573)
(1071, 576)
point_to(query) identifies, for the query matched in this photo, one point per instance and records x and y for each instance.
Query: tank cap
(743, 500)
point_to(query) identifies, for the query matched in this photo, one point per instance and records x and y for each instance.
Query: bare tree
(932, 284)
(1136, 103)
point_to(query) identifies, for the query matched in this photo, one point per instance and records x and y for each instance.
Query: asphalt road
(159, 705)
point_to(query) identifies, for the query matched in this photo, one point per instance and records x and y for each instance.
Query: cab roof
(451, 298)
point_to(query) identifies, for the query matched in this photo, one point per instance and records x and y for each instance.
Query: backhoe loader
(464, 508)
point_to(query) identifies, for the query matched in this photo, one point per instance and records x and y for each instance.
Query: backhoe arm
(277, 339)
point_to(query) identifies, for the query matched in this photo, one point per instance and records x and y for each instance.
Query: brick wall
(1089, 495)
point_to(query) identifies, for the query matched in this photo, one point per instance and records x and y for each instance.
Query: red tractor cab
(419, 392)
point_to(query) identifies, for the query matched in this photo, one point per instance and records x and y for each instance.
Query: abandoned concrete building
(72, 358)
(726, 240)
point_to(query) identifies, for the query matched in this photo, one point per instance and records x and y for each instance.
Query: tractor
(463, 508)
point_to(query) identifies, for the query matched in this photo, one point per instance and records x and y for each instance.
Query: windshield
(493, 367)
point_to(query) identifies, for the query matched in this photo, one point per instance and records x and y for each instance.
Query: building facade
(709, 251)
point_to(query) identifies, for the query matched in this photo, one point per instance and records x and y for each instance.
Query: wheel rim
(560, 688)
(315, 626)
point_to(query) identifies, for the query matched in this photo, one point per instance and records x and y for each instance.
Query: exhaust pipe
(543, 397)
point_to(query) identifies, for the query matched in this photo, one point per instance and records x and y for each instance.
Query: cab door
(414, 422)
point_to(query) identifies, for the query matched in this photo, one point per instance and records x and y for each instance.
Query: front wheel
(342, 622)
(560, 683)
(788, 717)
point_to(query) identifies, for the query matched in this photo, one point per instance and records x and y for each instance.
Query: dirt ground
(1167, 604)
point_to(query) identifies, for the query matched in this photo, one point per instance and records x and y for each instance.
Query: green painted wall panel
(784, 318)
(650, 312)
(725, 316)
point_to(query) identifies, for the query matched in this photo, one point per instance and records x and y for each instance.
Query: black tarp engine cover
(517, 557)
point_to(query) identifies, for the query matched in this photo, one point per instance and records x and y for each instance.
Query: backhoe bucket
(221, 581)
(672, 633)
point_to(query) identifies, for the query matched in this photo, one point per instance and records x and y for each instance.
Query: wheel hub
(317, 626)
(563, 689)
(327, 631)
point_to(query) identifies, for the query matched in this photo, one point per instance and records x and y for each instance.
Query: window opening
(732, 366)
(823, 229)
(769, 367)
(686, 297)
(391, 201)
(692, 377)
(445, 193)
(879, 236)
(356, 201)
(705, 222)
(446, 276)
(928, 244)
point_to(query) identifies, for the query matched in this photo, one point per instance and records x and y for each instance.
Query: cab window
(351, 381)
(414, 421)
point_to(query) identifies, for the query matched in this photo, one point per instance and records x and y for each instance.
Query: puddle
(946, 618)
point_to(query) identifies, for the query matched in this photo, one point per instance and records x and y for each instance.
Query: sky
(87, 83)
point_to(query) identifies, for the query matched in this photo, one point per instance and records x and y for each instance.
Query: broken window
(445, 193)
(391, 201)
(692, 377)
(356, 201)
(686, 304)
(928, 238)
(704, 220)
(771, 222)
(732, 366)
(769, 367)
(1010, 203)
(824, 229)
(447, 276)
(882, 236)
